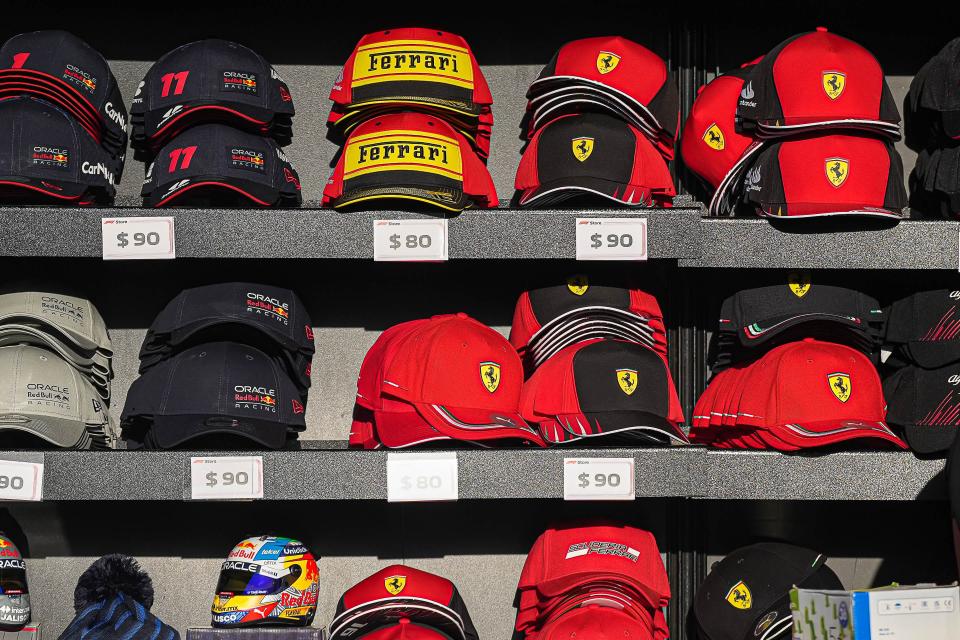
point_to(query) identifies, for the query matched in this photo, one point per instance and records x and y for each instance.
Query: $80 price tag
(410, 240)
(226, 478)
(139, 238)
(21, 480)
(598, 479)
(422, 477)
(611, 238)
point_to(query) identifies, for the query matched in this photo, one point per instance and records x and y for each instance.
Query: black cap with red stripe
(925, 403)
(209, 81)
(214, 164)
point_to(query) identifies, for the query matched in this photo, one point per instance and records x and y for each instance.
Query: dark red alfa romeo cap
(409, 157)
(594, 155)
(817, 80)
(47, 158)
(828, 175)
(210, 81)
(397, 593)
(217, 164)
(61, 68)
(925, 403)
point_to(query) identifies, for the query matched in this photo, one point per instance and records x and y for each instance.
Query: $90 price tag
(21, 480)
(422, 477)
(598, 479)
(138, 238)
(410, 240)
(226, 478)
(611, 238)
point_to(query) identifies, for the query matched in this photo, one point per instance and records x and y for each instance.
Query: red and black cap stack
(209, 119)
(444, 379)
(71, 121)
(402, 603)
(222, 362)
(598, 581)
(746, 596)
(813, 122)
(412, 112)
(932, 129)
(601, 122)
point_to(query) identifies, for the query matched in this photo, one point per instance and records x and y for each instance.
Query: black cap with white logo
(209, 81)
(46, 158)
(214, 164)
(924, 328)
(925, 403)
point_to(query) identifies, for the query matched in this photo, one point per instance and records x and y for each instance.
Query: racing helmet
(267, 581)
(14, 595)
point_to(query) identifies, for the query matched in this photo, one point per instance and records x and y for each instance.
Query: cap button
(461, 315)
(404, 620)
(822, 29)
(809, 340)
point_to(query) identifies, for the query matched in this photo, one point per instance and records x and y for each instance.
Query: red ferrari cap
(710, 143)
(596, 155)
(406, 629)
(818, 80)
(622, 68)
(813, 393)
(564, 559)
(413, 66)
(598, 623)
(463, 377)
(409, 156)
(829, 175)
(397, 593)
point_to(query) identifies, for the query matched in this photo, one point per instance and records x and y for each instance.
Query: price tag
(611, 238)
(410, 240)
(138, 238)
(21, 480)
(422, 477)
(598, 479)
(226, 478)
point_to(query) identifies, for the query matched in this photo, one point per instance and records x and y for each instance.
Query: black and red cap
(63, 69)
(409, 156)
(213, 389)
(592, 155)
(925, 404)
(210, 81)
(217, 164)
(924, 327)
(828, 175)
(817, 80)
(47, 158)
(932, 106)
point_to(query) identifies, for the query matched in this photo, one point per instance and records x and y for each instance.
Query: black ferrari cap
(60, 67)
(214, 164)
(217, 388)
(271, 318)
(210, 81)
(46, 158)
(925, 327)
(746, 596)
(925, 403)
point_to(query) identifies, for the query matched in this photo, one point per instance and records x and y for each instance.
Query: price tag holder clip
(611, 238)
(422, 477)
(598, 479)
(414, 240)
(138, 238)
(21, 480)
(226, 478)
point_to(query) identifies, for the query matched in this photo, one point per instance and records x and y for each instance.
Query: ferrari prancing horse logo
(740, 597)
(395, 584)
(607, 62)
(582, 148)
(840, 385)
(799, 283)
(578, 284)
(834, 83)
(713, 136)
(490, 375)
(627, 379)
(837, 170)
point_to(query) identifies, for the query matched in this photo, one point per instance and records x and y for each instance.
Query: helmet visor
(249, 582)
(13, 577)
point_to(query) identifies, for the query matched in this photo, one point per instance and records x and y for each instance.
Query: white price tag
(226, 478)
(611, 238)
(140, 238)
(598, 479)
(21, 480)
(422, 477)
(410, 240)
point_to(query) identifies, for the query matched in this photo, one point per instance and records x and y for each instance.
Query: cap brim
(928, 439)
(175, 430)
(402, 429)
(377, 613)
(458, 202)
(555, 191)
(630, 424)
(807, 210)
(827, 432)
(217, 183)
(67, 434)
(542, 84)
(478, 425)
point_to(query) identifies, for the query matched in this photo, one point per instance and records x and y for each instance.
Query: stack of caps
(66, 138)
(445, 378)
(210, 118)
(55, 359)
(746, 596)
(953, 482)
(932, 128)
(601, 122)
(600, 581)
(805, 131)
(412, 112)
(923, 392)
(402, 603)
(227, 360)
(596, 362)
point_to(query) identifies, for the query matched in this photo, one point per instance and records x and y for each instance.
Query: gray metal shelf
(340, 474)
